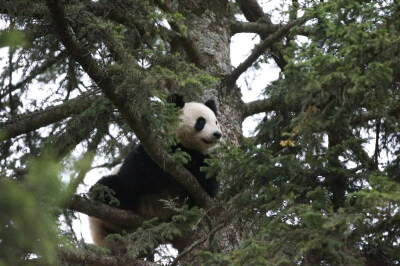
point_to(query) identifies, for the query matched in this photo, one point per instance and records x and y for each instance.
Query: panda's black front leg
(124, 190)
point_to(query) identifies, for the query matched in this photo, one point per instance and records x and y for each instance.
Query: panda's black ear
(211, 104)
(177, 99)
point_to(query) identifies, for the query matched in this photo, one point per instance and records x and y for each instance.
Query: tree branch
(254, 13)
(20, 9)
(260, 49)
(253, 27)
(259, 106)
(103, 211)
(196, 243)
(368, 116)
(29, 122)
(112, 12)
(132, 116)
(377, 135)
(358, 150)
(88, 257)
(35, 72)
(251, 9)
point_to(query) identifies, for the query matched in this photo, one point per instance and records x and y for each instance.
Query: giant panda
(139, 183)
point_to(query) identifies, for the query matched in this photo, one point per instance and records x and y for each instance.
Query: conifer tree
(317, 183)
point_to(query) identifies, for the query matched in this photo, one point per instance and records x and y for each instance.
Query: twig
(197, 243)
(36, 71)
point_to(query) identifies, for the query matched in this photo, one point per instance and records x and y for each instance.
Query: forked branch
(260, 49)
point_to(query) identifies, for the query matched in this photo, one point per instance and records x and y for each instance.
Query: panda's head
(198, 127)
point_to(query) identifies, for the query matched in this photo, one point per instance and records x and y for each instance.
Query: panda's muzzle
(217, 135)
(208, 142)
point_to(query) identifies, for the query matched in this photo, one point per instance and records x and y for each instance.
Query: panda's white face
(198, 128)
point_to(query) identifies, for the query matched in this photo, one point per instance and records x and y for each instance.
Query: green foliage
(12, 38)
(293, 213)
(309, 192)
(152, 233)
(348, 63)
(29, 211)
(163, 118)
(104, 194)
(180, 156)
(303, 191)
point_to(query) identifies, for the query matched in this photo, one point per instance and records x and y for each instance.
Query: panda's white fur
(192, 140)
(204, 140)
(116, 169)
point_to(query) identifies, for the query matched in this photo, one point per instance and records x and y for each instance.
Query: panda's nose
(217, 135)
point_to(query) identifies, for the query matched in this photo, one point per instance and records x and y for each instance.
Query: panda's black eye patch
(200, 123)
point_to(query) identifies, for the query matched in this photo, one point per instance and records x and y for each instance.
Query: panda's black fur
(139, 175)
(140, 183)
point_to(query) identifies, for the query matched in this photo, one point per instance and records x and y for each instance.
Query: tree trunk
(208, 25)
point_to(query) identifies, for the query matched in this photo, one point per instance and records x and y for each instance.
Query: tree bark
(209, 30)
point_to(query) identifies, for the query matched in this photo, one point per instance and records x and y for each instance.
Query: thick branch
(259, 106)
(254, 27)
(260, 49)
(133, 117)
(102, 211)
(88, 257)
(251, 9)
(30, 122)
